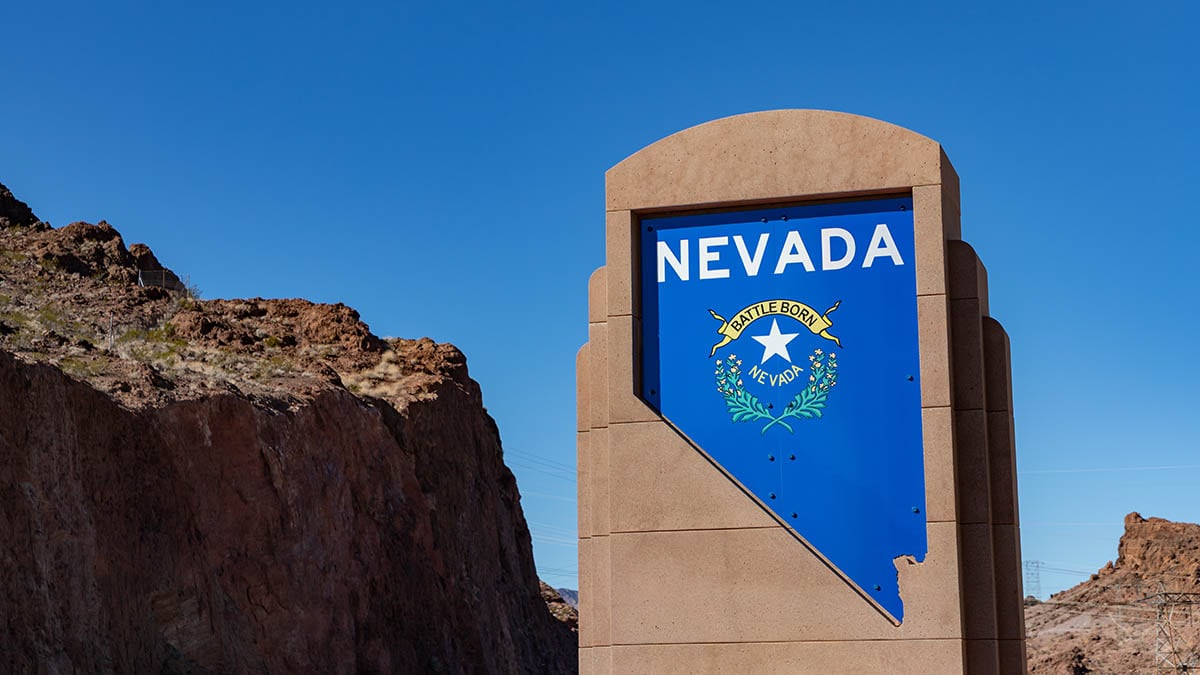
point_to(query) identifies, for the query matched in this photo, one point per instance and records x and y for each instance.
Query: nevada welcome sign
(783, 343)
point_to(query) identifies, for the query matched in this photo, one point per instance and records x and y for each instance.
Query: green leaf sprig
(744, 406)
(811, 400)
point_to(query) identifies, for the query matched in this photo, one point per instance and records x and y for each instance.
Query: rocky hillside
(1108, 623)
(569, 596)
(250, 486)
(560, 607)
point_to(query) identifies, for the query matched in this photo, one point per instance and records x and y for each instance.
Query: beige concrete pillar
(681, 569)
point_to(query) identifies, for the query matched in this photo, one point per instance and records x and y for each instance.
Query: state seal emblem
(731, 376)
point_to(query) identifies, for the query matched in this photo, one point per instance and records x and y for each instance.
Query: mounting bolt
(770, 458)
(910, 378)
(916, 510)
(771, 495)
(793, 514)
(877, 587)
(792, 457)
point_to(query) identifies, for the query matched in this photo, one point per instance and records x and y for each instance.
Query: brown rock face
(1154, 547)
(86, 250)
(1108, 624)
(217, 536)
(253, 486)
(13, 211)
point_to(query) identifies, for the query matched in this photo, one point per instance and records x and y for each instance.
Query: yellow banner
(815, 321)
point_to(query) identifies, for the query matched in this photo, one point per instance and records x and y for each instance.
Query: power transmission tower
(1177, 634)
(1033, 578)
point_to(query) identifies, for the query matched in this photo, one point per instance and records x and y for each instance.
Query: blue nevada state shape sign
(783, 343)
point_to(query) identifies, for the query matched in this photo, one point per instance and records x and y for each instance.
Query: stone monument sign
(795, 414)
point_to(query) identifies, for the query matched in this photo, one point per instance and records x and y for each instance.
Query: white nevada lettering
(838, 251)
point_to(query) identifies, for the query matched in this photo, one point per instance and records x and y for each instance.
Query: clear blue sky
(440, 166)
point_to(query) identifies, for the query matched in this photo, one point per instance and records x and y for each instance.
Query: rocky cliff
(1111, 623)
(258, 486)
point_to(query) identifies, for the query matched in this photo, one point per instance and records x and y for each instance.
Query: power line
(561, 571)
(565, 473)
(557, 475)
(1064, 523)
(1109, 469)
(540, 460)
(555, 540)
(1063, 571)
(553, 529)
(1099, 605)
(546, 495)
(563, 579)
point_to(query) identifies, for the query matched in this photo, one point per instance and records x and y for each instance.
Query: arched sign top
(776, 154)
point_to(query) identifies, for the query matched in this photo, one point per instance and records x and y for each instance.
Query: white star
(775, 343)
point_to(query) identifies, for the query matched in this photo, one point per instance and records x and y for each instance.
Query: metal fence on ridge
(161, 278)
